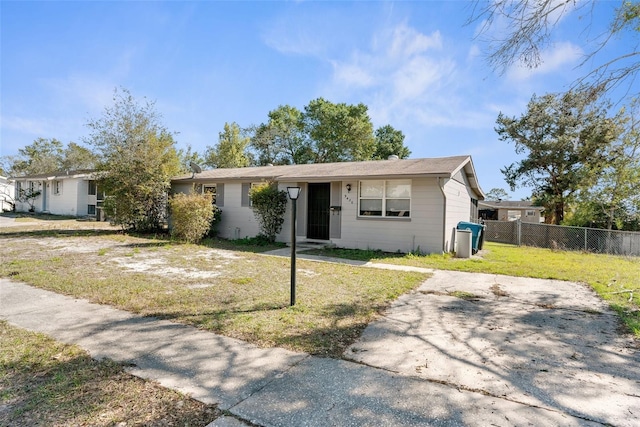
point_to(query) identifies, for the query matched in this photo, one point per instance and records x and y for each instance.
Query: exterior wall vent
(393, 157)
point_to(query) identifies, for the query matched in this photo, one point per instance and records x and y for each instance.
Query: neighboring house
(7, 194)
(391, 205)
(73, 193)
(506, 210)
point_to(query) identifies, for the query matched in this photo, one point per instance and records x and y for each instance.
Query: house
(505, 210)
(73, 193)
(391, 205)
(7, 194)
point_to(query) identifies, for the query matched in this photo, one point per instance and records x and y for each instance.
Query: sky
(418, 66)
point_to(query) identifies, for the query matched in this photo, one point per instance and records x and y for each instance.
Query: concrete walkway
(266, 387)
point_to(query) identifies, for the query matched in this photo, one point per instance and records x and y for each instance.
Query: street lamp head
(294, 192)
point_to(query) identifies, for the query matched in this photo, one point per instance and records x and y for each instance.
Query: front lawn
(237, 293)
(46, 383)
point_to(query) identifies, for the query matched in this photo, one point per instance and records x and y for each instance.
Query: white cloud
(419, 75)
(298, 44)
(405, 78)
(26, 125)
(352, 74)
(400, 64)
(407, 42)
(295, 35)
(557, 58)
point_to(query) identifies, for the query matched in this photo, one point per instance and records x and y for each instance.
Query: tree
(187, 157)
(530, 24)
(231, 149)
(137, 159)
(497, 194)
(29, 196)
(338, 132)
(41, 156)
(47, 156)
(614, 200)
(282, 139)
(565, 138)
(269, 206)
(76, 157)
(389, 141)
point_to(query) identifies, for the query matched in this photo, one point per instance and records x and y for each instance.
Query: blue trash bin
(477, 233)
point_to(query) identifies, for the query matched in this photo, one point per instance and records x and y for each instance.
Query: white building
(391, 205)
(72, 193)
(7, 194)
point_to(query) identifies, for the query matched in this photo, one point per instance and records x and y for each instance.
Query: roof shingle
(444, 166)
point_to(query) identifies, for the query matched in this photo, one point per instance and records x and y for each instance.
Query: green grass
(608, 275)
(46, 383)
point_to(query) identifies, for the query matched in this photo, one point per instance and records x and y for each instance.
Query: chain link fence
(563, 237)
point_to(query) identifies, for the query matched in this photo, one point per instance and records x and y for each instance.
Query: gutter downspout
(444, 214)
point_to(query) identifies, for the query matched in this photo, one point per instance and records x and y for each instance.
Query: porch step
(310, 244)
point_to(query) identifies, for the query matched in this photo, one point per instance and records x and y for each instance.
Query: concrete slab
(8, 221)
(329, 392)
(544, 343)
(209, 367)
(226, 421)
(517, 352)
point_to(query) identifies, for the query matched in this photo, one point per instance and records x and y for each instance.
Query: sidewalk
(266, 387)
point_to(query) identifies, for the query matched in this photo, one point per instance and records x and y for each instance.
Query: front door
(318, 212)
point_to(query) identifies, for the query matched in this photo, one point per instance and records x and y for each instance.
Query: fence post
(519, 231)
(585, 239)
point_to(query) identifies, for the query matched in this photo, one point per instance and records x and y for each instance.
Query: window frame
(92, 184)
(385, 198)
(214, 193)
(57, 187)
(89, 206)
(246, 201)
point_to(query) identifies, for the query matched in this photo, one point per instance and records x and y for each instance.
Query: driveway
(8, 221)
(545, 343)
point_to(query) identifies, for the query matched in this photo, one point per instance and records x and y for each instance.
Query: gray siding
(427, 230)
(458, 209)
(423, 231)
(237, 220)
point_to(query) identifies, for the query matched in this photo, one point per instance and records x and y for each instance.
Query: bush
(192, 216)
(269, 205)
(215, 221)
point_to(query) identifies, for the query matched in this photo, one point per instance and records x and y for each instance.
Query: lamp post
(294, 193)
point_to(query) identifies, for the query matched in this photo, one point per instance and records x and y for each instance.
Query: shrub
(192, 215)
(215, 221)
(269, 205)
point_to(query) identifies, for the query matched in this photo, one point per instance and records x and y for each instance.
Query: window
(32, 186)
(513, 215)
(18, 187)
(57, 187)
(92, 188)
(210, 189)
(474, 209)
(385, 198)
(246, 199)
(91, 209)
